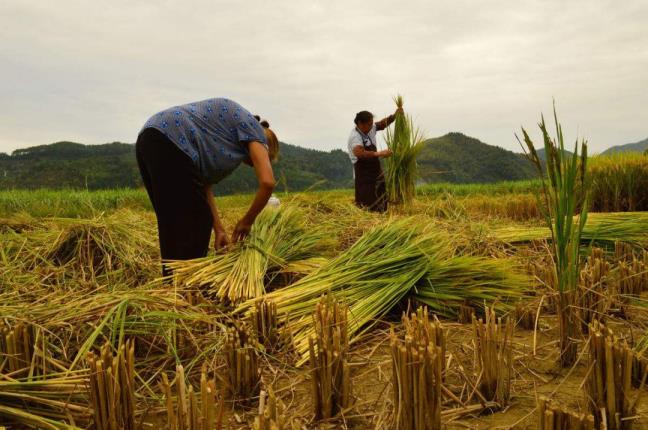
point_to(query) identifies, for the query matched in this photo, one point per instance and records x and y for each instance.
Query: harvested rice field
(443, 314)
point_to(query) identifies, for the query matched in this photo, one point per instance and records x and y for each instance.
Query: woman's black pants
(178, 196)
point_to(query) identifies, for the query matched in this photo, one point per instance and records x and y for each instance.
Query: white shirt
(357, 138)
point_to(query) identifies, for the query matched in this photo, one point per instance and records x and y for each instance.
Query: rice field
(438, 314)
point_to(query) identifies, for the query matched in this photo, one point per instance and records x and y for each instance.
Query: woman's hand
(241, 231)
(221, 241)
(386, 153)
(399, 110)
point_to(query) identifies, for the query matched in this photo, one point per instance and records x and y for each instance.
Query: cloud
(94, 71)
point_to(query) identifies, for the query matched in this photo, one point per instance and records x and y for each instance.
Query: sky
(94, 71)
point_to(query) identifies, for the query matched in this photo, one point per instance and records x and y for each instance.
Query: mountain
(113, 165)
(640, 146)
(450, 158)
(458, 158)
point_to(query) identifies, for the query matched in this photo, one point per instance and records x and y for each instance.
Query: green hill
(458, 158)
(450, 158)
(641, 146)
(113, 165)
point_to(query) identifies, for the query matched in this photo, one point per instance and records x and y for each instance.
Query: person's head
(364, 121)
(271, 138)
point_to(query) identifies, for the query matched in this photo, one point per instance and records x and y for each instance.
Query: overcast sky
(94, 71)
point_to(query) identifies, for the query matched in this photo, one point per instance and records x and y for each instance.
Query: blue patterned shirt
(212, 133)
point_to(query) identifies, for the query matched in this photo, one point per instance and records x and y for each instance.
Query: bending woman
(184, 150)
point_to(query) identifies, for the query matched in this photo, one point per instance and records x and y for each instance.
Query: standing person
(370, 190)
(183, 151)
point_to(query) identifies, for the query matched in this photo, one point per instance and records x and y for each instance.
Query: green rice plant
(619, 182)
(564, 194)
(279, 237)
(406, 143)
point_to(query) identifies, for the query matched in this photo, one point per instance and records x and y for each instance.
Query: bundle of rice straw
(602, 228)
(406, 143)
(280, 238)
(379, 270)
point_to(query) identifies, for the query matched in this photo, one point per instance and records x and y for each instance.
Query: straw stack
(493, 357)
(241, 357)
(112, 387)
(554, 417)
(192, 411)
(608, 380)
(594, 289)
(272, 414)
(328, 348)
(417, 366)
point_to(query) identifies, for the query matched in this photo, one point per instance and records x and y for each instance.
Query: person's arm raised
(263, 169)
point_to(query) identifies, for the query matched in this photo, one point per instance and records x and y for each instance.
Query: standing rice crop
(564, 194)
(619, 182)
(406, 143)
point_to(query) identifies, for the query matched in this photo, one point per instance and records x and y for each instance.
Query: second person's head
(364, 121)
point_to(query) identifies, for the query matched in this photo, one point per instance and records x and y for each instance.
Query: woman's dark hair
(363, 117)
(271, 138)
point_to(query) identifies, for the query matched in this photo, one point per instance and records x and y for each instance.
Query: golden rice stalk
(272, 414)
(418, 326)
(465, 314)
(594, 289)
(623, 251)
(493, 357)
(242, 363)
(554, 417)
(112, 387)
(329, 370)
(192, 411)
(631, 281)
(609, 378)
(525, 316)
(417, 366)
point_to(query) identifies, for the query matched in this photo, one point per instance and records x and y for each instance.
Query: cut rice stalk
(112, 387)
(193, 411)
(417, 367)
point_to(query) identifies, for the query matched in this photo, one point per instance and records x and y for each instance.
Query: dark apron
(370, 190)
